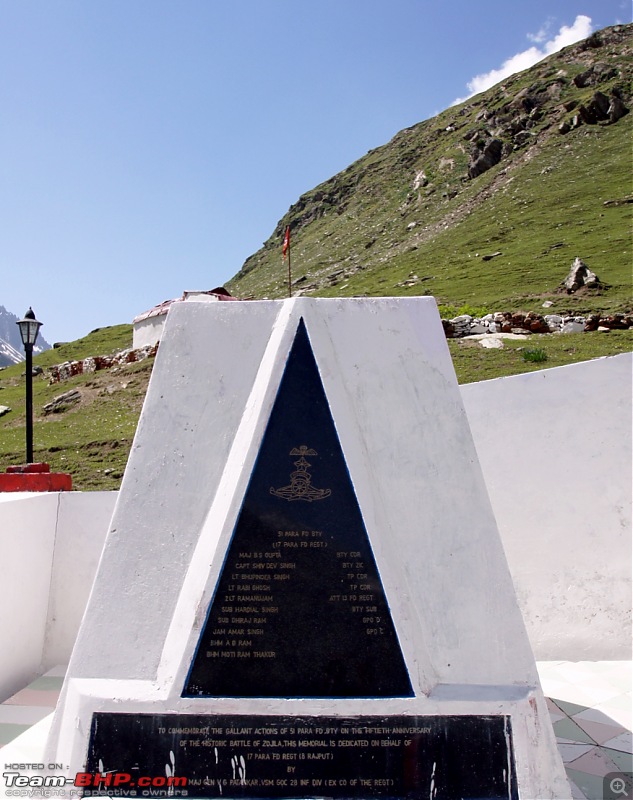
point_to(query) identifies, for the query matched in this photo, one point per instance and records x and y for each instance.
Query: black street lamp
(29, 328)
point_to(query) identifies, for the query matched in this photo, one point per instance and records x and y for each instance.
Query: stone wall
(61, 372)
(509, 322)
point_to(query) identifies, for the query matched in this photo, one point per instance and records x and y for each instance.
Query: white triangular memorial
(303, 592)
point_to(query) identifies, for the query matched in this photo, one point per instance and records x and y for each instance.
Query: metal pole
(29, 403)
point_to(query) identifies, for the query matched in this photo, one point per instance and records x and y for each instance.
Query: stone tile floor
(30, 705)
(590, 704)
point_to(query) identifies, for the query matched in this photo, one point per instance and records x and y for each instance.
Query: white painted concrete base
(390, 385)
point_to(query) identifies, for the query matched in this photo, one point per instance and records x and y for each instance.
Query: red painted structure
(34, 478)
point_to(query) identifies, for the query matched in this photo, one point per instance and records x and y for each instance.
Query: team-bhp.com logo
(93, 784)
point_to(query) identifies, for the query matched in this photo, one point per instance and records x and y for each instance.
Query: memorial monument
(303, 593)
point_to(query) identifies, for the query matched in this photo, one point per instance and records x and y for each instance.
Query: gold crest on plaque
(301, 487)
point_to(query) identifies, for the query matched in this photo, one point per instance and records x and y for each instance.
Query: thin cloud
(543, 33)
(539, 37)
(568, 34)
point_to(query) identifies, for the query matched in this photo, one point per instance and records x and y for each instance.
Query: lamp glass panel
(29, 330)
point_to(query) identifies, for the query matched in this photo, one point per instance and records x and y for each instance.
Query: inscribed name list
(299, 609)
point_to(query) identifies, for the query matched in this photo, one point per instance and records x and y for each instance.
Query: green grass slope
(408, 220)
(91, 439)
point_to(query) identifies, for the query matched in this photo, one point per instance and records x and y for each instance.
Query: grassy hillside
(92, 439)
(408, 220)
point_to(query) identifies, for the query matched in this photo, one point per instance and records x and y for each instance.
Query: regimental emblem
(301, 487)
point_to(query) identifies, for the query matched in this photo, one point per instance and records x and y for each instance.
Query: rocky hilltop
(487, 204)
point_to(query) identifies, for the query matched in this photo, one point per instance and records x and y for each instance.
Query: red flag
(286, 242)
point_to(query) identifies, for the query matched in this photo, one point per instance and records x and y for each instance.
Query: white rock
(492, 336)
(463, 319)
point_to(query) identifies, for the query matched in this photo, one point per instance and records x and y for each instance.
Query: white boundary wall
(555, 449)
(27, 536)
(50, 545)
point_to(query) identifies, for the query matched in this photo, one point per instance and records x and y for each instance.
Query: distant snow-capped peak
(9, 355)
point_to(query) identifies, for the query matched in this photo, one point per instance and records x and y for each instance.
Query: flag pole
(286, 252)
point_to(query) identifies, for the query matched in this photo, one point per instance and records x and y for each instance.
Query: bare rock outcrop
(482, 159)
(580, 276)
(62, 402)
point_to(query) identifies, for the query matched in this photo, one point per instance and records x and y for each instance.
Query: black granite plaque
(247, 756)
(299, 609)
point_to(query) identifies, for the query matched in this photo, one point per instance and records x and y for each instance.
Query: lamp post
(29, 328)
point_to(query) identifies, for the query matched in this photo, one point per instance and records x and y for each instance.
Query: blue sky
(150, 146)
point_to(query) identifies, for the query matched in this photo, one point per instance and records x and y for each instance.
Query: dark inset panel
(247, 756)
(299, 609)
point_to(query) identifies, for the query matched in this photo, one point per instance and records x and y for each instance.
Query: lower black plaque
(247, 756)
